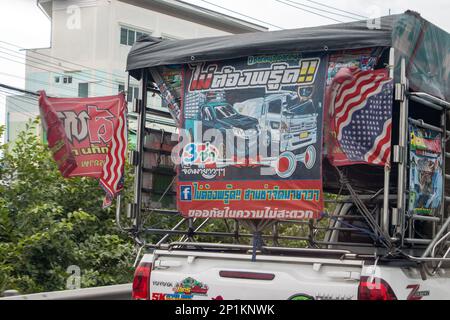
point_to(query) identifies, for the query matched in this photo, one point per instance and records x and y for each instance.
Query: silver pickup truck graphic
(290, 120)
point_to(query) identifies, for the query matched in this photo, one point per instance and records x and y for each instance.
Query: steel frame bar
(403, 140)
(140, 148)
(387, 168)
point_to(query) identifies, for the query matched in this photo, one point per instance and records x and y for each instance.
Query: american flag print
(362, 116)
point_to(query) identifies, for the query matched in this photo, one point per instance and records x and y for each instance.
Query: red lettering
(202, 80)
(158, 296)
(101, 126)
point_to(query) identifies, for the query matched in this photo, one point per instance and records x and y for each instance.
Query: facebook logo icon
(186, 193)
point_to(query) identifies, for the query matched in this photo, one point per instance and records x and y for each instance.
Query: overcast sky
(23, 24)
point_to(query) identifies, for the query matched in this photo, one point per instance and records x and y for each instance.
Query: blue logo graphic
(186, 193)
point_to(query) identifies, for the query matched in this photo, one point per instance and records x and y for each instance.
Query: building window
(123, 36)
(133, 93)
(67, 79)
(56, 79)
(83, 90)
(129, 36)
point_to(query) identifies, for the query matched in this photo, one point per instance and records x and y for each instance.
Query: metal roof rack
(391, 231)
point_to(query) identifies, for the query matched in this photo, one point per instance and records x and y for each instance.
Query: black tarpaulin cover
(152, 52)
(425, 47)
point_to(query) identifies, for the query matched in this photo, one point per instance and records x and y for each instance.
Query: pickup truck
(208, 271)
(373, 245)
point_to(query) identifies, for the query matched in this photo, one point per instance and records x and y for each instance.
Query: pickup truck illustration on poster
(255, 138)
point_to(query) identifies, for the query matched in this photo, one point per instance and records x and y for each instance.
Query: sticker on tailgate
(184, 290)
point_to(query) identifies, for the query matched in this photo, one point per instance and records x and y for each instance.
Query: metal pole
(167, 235)
(385, 217)
(387, 168)
(142, 117)
(444, 162)
(437, 238)
(403, 149)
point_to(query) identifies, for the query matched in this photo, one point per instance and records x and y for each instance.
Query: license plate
(304, 135)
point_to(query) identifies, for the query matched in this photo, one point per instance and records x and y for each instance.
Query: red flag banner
(88, 138)
(57, 140)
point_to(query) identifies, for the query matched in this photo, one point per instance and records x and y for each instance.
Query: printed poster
(253, 138)
(425, 183)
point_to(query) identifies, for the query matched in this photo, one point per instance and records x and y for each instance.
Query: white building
(90, 41)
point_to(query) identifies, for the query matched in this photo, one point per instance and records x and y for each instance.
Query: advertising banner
(252, 141)
(425, 182)
(88, 138)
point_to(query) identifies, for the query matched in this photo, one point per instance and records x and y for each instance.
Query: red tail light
(371, 288)
(141, 282)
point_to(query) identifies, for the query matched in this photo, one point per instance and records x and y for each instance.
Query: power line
(28, 116)
(45, 63)
(121, 77)
(49, 70)
(44, 69)
(5, 86)
(302, 9)
(321, 10)
(26, 98)
(54, 67)
(27, 94)
(22, 98)
(55, 72)
(24, 112)
(241, 14)
(37, 81)
(20, 109)
(337, 9)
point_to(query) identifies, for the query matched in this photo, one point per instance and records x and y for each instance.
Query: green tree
(48, 223)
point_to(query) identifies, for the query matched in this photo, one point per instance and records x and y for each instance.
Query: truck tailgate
(215, 276)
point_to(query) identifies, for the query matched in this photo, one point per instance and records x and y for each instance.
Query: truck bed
(202, 275)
